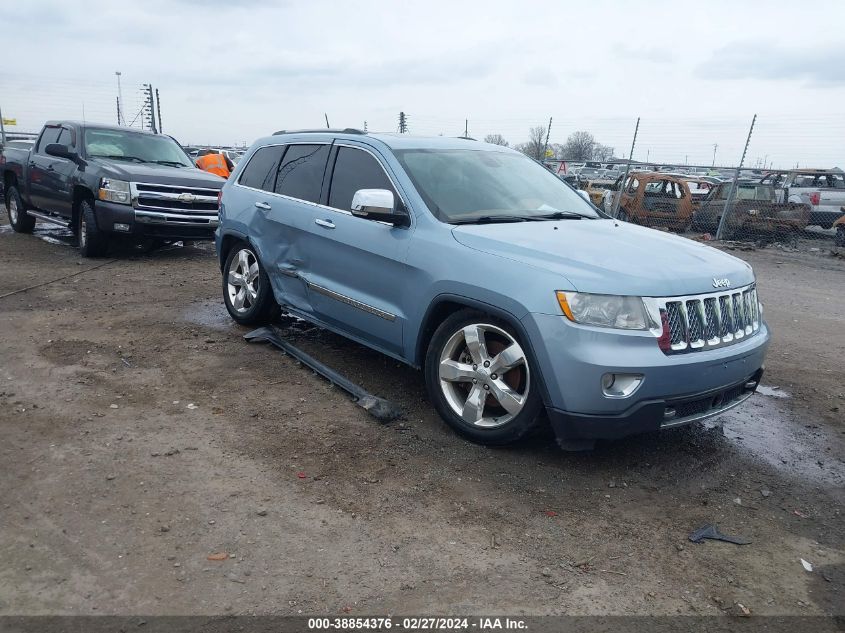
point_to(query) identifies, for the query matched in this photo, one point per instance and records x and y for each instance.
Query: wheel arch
(445, 305)
(80, 194)
(227, 241)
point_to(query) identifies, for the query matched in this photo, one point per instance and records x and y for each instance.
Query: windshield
(466, 185)
(134, 147)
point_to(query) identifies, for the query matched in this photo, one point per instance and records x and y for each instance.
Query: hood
(159, 174)
(609, 257)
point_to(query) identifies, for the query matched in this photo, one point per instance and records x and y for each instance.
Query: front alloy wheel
(484, 375)
(479, 378)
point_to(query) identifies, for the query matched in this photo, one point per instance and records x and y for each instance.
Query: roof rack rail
(346, 130)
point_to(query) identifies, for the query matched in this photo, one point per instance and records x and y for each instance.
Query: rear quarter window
(260, 172)
(301, 172)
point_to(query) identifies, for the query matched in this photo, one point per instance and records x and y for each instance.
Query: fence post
(615, 210)
(720, 232)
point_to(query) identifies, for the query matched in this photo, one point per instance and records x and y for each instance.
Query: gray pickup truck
(822, 189)
(103, 181)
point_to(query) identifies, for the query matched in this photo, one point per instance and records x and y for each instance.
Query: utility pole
(715, 147)
(403, 123)
(2, 129)
(721, 230)
(466, 128)
(615, 209)
(546, 144)
(121, 120)
(158, 111)
(149, 108)
(326, 114)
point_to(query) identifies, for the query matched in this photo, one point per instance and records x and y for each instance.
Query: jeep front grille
(712, 320)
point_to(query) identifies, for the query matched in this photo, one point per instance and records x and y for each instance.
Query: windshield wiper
(175, 163)
(118, 157)
(492, 219)
(559, 215)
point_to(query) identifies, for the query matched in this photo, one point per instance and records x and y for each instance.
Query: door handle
(50, 168)
(326, 224)
(263, 206)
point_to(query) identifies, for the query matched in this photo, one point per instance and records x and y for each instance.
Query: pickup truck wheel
(839, 240)
(482, 380)
(246, 287)
(92, 241)
(19, 219)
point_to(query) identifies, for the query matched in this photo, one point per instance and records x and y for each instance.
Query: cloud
(822, 66)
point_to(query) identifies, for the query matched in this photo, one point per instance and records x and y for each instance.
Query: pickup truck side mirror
(61, 151)
(379, 205)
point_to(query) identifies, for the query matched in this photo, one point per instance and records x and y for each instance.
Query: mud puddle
(795, 446)
(50, 233)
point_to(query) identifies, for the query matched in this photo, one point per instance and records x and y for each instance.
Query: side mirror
(584, 195)
(379, 205)
(60, 151)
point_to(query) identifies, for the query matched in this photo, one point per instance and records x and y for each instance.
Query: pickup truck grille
(706, 321)
(174, 204)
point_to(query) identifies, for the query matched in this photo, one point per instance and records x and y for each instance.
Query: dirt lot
(142, 434)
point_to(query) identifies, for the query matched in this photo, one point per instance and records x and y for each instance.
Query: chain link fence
(777, 180)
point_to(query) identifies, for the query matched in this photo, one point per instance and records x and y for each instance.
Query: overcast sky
(229, 72)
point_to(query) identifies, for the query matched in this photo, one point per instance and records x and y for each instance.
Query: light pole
(121, 120)
(715, 147)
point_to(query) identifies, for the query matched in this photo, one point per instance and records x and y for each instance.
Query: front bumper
(144, 223)
(653, 415)
(572, 360)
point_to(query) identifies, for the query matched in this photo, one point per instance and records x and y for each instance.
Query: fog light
(119, 226)
(620, 385)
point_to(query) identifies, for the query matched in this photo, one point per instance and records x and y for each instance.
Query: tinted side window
(355, 169)
(260, 173)
(65, 138)
(301, 172)
(50, 135)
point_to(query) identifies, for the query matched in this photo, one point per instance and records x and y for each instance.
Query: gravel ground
(144, 441)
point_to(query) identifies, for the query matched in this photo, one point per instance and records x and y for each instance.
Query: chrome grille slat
(710, 320)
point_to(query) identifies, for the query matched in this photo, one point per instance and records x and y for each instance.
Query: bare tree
(496, 139)
(579, 146)
(602, 153)
(536, 143)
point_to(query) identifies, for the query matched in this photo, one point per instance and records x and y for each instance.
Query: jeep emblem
(721, 283)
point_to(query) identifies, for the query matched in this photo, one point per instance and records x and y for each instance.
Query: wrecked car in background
(754, 209)
(512, 293)
(656, 199)
(823, 189)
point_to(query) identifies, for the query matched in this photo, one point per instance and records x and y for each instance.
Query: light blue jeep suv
(513, 294)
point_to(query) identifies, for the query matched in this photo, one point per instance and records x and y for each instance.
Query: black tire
(523, 379)
(19, 219)
(92, 241)
(257, 310)
(839, 240)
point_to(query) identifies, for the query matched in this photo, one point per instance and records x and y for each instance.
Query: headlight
(626, 313)
(114, 191)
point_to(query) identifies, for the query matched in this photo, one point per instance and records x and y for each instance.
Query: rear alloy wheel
(480, 379)
(20, 220)
(246, 287)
